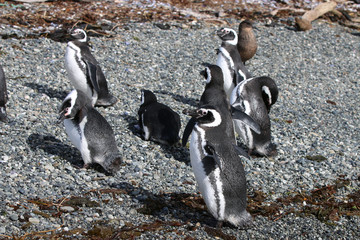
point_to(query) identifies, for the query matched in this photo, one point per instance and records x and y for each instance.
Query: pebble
(34, 220)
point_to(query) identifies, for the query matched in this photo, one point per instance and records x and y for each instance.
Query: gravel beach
(154, 195)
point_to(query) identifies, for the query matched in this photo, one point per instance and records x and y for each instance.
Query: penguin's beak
(191, 112)
(62, 116)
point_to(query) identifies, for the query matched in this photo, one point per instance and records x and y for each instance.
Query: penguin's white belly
(75, 73)
(228, 78)
(212, 193)
(244, 130)
(77, 137)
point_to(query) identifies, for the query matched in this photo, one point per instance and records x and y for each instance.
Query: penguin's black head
(147, 97)
(227, 35)
(245, 24)
(72, 104)
(213, 75)
(206, 116)
(79, 35)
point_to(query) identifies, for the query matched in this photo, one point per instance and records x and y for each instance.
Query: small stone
(67, 209)
(34, 220)
(49, 167)
(13, 217)
(2, 230)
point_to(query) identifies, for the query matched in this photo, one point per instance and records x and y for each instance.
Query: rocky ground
(309, 191)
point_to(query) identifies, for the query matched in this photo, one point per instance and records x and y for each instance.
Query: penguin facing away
(215, 95)
(229, 60)
(217, 166)
(89, 132)
(247, 44)
(255, 96)
(157, 121)
(3, 96)
(85, 72)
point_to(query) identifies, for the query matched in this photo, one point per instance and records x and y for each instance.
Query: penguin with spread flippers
(85, 72)
(229, 60)
(89, 131)
(157, 121)
(217, 166)
(3, 96)
(254, 97)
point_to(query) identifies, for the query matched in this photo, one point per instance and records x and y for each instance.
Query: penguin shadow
(179, 153)
(52, 93)
(132, 124)
(185, 207)
(356, 34)
(189, 101)
(54, 146)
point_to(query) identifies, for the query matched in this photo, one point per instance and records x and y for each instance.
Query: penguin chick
(89, 132)
(229, 60)
(3, 96)
(85, 72)
(217, 166)
(157, 121)
(255, 97)
(247, 45)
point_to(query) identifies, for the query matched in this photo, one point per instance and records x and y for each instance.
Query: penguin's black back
(3, 89)
(163, 123)
(99, 134)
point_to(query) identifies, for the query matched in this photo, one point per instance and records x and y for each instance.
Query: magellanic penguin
(214, 94)
(255, 96)
(89, 132)
(228, 58)
(157, 121)
(3, 96)
(247, 44)
(85, 72)
(217, 166)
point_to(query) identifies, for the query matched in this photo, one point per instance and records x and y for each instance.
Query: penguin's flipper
(211, 151)
(92, 73)
(241, 151)
(246, 119)
(188, 129)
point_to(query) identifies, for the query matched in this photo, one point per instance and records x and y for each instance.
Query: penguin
(247, 44)
(255, 96)
(228, 58)
(3, 96)
(85, 72)
(89, 131)
(217, 166)
(214, 94)
(157, 121)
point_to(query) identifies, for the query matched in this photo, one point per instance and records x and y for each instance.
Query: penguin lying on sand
(157, 121)
(255, 96)
(89, 132)
(3, 96)
(217, 165)
(230, 61)
(215, 95)
(85, 72)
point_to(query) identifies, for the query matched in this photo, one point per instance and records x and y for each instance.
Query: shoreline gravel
(317, 113)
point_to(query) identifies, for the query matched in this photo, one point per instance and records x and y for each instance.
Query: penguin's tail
(242, 221)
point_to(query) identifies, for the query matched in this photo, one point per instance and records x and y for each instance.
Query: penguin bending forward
(254, 97)
(85, 72)
(91, 134)
(157, 121)
(3, 96)
(230, 61)
(217, 166)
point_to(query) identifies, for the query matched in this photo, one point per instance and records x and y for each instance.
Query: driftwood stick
(304, 23)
